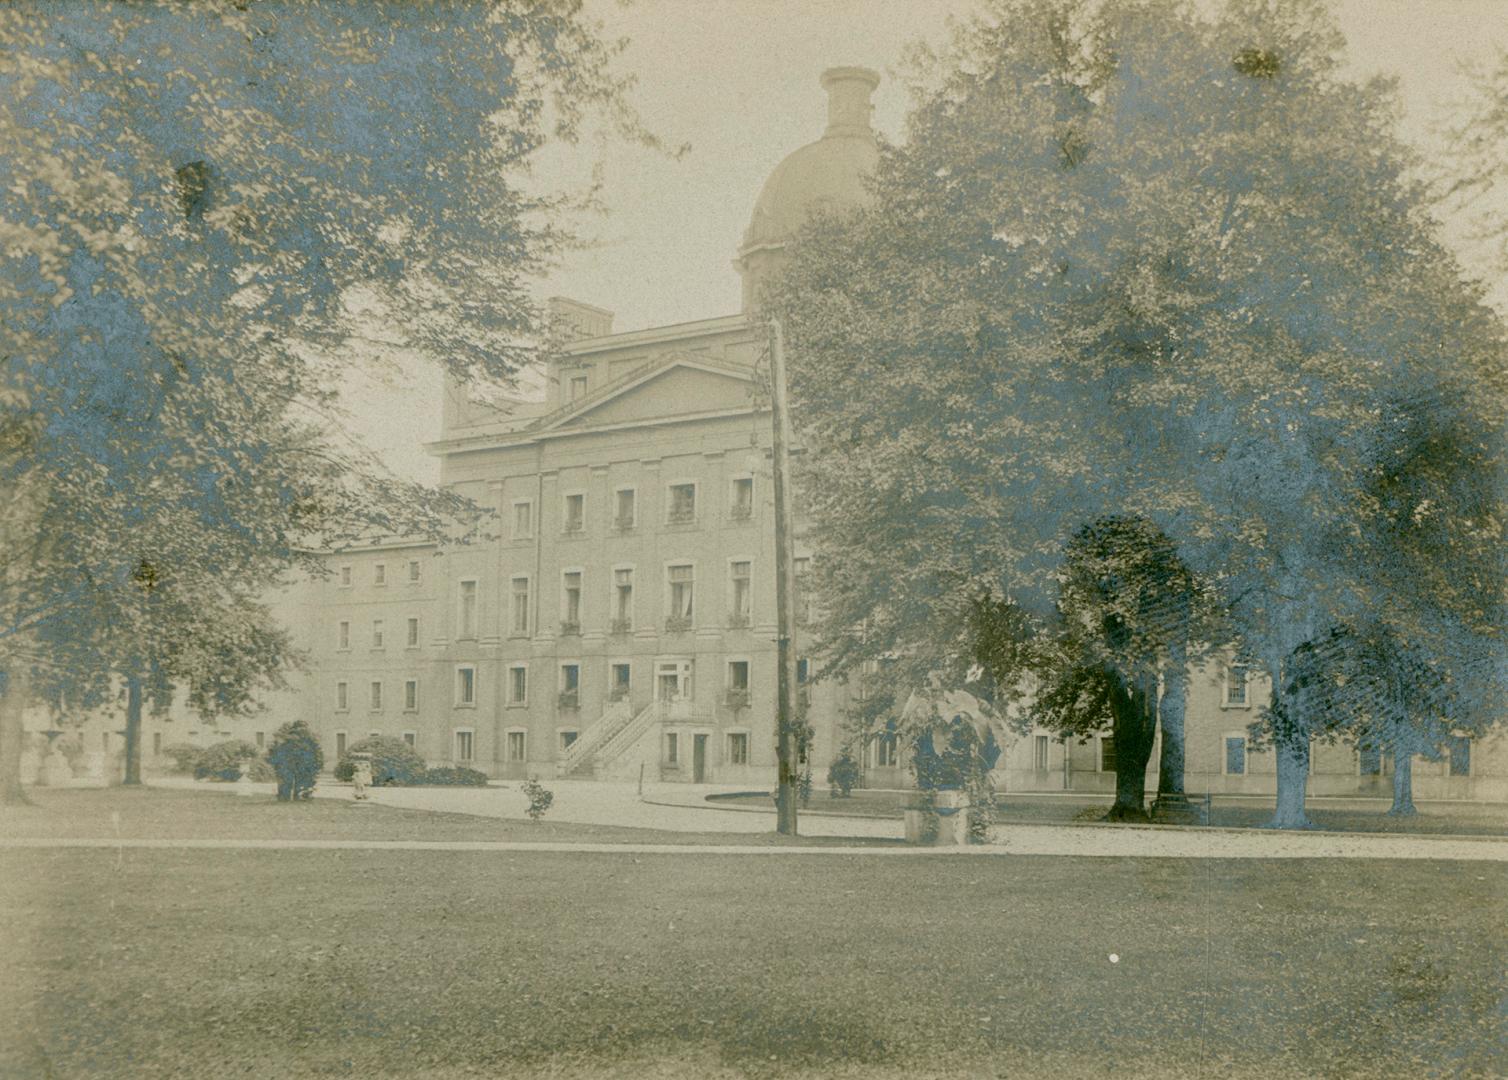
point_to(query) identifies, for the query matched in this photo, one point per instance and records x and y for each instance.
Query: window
(520, 605)
(741, 502)
(625, 512)
(887, 751)
(466, 685)
(413, 571)
(463, 744)
(682, 506)
(340, 745)
(570, 685)
(517, 745)
(379, 574)
(376, 633)
(468, 610)
(682, 594)
(1040, 752)
(1235, 755)
(1369, 760)
(1235, 685)
(523, 520)
(574, 517)
(345, 577)
(411, 695)
(570, 607)
(1459, 749)
(261, 739)
(618, 681)
(672, 748)
(578, 387)
(566, 739)
(740, 572)
(623, 599)
(1107, 753)
(738, 748)
(342, 696)
(738, 675)
(411, 737)
(413, 633)
(376, 696)
(803, 601)
(343, 634)
(518, 685)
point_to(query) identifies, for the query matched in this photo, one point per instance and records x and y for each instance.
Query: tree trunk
(133, 730)
(1403, 782)
(14, 691)
(1293, 782)
(1134, 730)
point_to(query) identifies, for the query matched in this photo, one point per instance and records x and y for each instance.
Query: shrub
(804, 787)
(842, 776)
(455, 776)
(296, 758)
(185, 756)
(393, 761)
(261, 771)
(223, 760)
(540, 798)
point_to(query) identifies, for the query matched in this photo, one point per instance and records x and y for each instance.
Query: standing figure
(361, 776)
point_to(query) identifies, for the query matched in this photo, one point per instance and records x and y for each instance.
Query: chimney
(574, 320)
(848, 107)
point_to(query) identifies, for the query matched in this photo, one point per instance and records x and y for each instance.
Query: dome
(828, 173)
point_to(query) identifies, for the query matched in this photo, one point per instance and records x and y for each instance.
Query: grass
(446, 964)
(188, 814)
(1018, 808)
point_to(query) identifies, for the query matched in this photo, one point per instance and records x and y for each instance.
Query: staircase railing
(630, 733)
(614, 718)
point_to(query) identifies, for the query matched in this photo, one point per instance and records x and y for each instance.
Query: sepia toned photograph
(754, 539)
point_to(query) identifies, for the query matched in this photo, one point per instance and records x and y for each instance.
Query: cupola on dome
(826, 174)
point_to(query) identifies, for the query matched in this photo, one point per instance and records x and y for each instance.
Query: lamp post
(786, 713)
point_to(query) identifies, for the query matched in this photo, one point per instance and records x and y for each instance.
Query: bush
(223, 760)
(804, 787)
(843, 776)
(296, 758)
(185, 756)
(540, 798)
(261, 771)
(455, 776)
(393, 761)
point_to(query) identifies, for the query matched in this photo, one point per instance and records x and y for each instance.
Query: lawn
(1482, 819)
(158, 963)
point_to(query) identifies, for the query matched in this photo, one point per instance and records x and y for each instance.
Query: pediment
(678, 386)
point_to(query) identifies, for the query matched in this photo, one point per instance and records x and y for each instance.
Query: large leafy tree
(210, 212)
(1136, 260)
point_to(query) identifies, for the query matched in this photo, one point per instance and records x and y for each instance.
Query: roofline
(500, 440)
(656, 334)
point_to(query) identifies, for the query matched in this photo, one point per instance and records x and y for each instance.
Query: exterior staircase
(619, 728)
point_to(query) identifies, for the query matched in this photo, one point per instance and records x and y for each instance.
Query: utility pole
(786, 711)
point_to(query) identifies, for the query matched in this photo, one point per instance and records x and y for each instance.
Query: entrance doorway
(673, 680)
(698, 759)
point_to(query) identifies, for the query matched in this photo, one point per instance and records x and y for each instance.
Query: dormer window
(577, 387)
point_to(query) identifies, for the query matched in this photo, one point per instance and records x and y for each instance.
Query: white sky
(737, 79)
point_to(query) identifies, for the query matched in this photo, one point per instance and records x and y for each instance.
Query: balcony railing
(740, 512)
(736, 699)
(568, 628)
(623, 524)
(622, 626)
(677, 624)
(567, 699)
(618, 693)
(681, 515)
(738, 619)
(571, 528)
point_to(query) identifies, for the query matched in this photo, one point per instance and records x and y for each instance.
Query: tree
(296, 757)
(1472, 180)
(1133, 260)
(210, 215)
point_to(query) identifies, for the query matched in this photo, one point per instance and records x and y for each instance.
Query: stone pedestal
(55, 771)
(31, 767)
(244, 785)
(97, 768)
(944, 824)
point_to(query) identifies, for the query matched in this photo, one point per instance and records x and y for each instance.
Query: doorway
(698, 759)
(673, 680)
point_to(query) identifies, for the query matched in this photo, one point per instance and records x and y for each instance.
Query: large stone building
(621, 620)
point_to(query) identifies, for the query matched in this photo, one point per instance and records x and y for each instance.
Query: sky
(738, 81)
